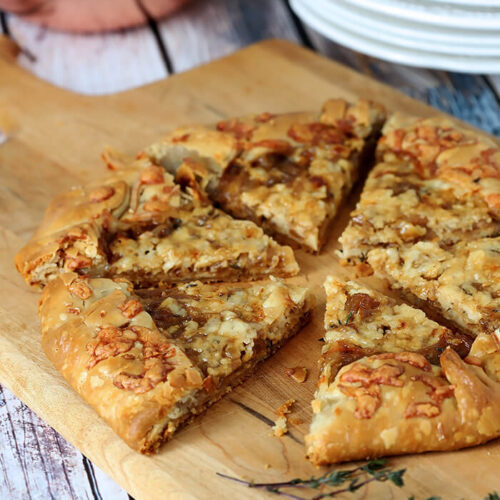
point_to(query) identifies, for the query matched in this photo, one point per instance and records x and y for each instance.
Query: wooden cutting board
(52, 140)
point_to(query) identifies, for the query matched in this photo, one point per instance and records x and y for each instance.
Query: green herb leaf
(492, 496)
(374, 465)
(349, 316)
(397, 477)
(355, 478)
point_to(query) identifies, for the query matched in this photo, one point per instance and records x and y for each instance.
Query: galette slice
(288, 173)
(140, 224)
(429, 219)
(386, 389)
(360, 321)
(460, 284)
(434, 181)
(399, 403)
(149, 362)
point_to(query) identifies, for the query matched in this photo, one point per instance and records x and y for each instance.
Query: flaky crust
(288, 173)
(391, 404)
(440, 149)
(139, 223)
(395, 393)
(144, 382)
(76, 313)
(428, 219)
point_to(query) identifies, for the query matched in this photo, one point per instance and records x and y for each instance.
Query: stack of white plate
(456, 35)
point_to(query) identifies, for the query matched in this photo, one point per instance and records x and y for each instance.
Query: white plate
(471, 3)
(378, 22)
(390, 31)
(476, 64)
(443, 14)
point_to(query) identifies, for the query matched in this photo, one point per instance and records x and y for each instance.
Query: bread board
(52, 139)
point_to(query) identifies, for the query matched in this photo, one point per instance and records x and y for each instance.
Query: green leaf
(396, 477)
(374, 465)
(353, 485)
(349, 316)
(492, 496)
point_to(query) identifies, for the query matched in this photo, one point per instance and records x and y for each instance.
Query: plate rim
(427, 17)
(357, 23)
(393, 53)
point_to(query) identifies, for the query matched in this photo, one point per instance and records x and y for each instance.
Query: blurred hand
(89, 16)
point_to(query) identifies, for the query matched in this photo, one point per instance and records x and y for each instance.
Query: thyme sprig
(492, 496)
(355, 478)
(349, 317)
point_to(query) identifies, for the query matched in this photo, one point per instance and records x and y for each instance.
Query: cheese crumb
(299, 374)
(280, 427)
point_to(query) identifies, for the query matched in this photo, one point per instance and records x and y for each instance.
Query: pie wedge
(394, 392)
(288, 173)
(151, 361)
(360, 321)
(140, 224)
(429, 220)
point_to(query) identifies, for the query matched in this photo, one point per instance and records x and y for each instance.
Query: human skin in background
(90, 16)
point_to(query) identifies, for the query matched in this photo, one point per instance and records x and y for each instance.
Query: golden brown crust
(288, 173)
(140, 224)
(383, 405)
(428, 219)
(440, 149)
(145, 377)
(395, 392)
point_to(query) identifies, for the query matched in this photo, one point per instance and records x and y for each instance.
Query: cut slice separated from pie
(393, 381)
(140, 224)
(149, 362)
(429, 219)
(360, 321)
(460, 284)
(288, 173)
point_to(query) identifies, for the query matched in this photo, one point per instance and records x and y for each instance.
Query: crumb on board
(299, 373)
(267, 466)
(280, 427)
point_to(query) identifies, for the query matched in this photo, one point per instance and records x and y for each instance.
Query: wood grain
(204, 31)
(233, 437)
(53, 468)
(96, 64)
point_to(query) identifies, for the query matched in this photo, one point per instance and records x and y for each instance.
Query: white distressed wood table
(35, 462)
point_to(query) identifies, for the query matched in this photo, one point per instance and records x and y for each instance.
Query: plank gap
(301, 31)
(90, 64)
(3, 23)
(162, 47)
(494, 90)
(89, 470)
(203, 31)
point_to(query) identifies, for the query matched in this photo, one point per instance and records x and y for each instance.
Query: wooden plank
(91, 64)
(36, 462)
(274, 76)
(495, 82)
(204, 31)
(468, 97)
